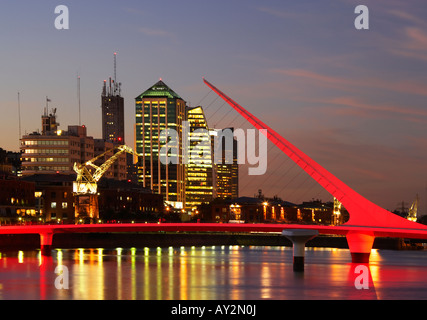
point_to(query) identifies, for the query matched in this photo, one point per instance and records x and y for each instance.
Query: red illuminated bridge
(367, 220)
(47, 232)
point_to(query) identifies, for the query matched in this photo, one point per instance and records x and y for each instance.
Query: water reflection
(211, 273)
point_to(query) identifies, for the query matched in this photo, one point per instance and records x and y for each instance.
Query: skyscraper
(112, 104)
(113, 126)
(160, 108)
(199, 165)
(225, 173)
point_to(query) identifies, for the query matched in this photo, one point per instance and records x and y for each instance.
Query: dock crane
(85, 188)
(412, 214)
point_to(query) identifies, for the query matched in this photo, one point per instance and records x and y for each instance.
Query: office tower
(112, 104)
(225, 175)
(160, 108)
(113, 127)
(54, 150)
(199, 165)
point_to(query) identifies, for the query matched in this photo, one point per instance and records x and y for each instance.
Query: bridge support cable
(310, 192)
(297, 156)
(212, 102)
(273, 173)
(200, 102)
(363, 213)
(300, 187)
(216, 111)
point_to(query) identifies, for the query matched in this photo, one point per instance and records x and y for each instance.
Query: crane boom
(86, 182)
(412, 214)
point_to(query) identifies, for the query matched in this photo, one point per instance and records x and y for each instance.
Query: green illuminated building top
(160, 89)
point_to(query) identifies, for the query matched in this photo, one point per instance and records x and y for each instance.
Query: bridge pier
(360, 245)
(299, 237)
(46, 243)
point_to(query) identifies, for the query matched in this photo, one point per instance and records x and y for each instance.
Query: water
(209, 273)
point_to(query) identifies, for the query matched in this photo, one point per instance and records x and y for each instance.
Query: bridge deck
(211, 227)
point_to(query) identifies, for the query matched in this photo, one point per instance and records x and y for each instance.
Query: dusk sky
(353, 100)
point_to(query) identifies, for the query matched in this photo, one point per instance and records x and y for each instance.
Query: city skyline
(353, 100)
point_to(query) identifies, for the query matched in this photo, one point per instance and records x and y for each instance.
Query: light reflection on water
(209, 273)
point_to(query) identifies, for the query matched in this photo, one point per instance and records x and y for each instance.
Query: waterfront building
(249, 210)
(10, 163)
(124, 200)
(156, 109)
(54, 196)
(225, 175)
(199, 165)
(325, 213)
(17, 201)
(261, 209)
(54, 150)
(55, 201)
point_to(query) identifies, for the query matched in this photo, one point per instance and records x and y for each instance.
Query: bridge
(367, 220)
(47, 232)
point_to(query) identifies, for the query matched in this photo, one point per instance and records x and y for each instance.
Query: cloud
(352, 102)
(407, 17)
(411, 41)
(134, 11)
(155, 32)
(300, 15)
(413, 45)
(354, 107)
(344, 83)
(276, 13)
(313, 76)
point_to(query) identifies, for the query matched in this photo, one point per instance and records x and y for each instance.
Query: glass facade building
(225, 174)
(199, 165)
(157, 109)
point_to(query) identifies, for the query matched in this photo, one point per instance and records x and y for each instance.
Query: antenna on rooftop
(46, 109)
(116, 85)
(115, 67)
(78, 96)
(19, 115)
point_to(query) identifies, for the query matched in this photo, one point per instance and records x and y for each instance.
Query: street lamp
(265, 204)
